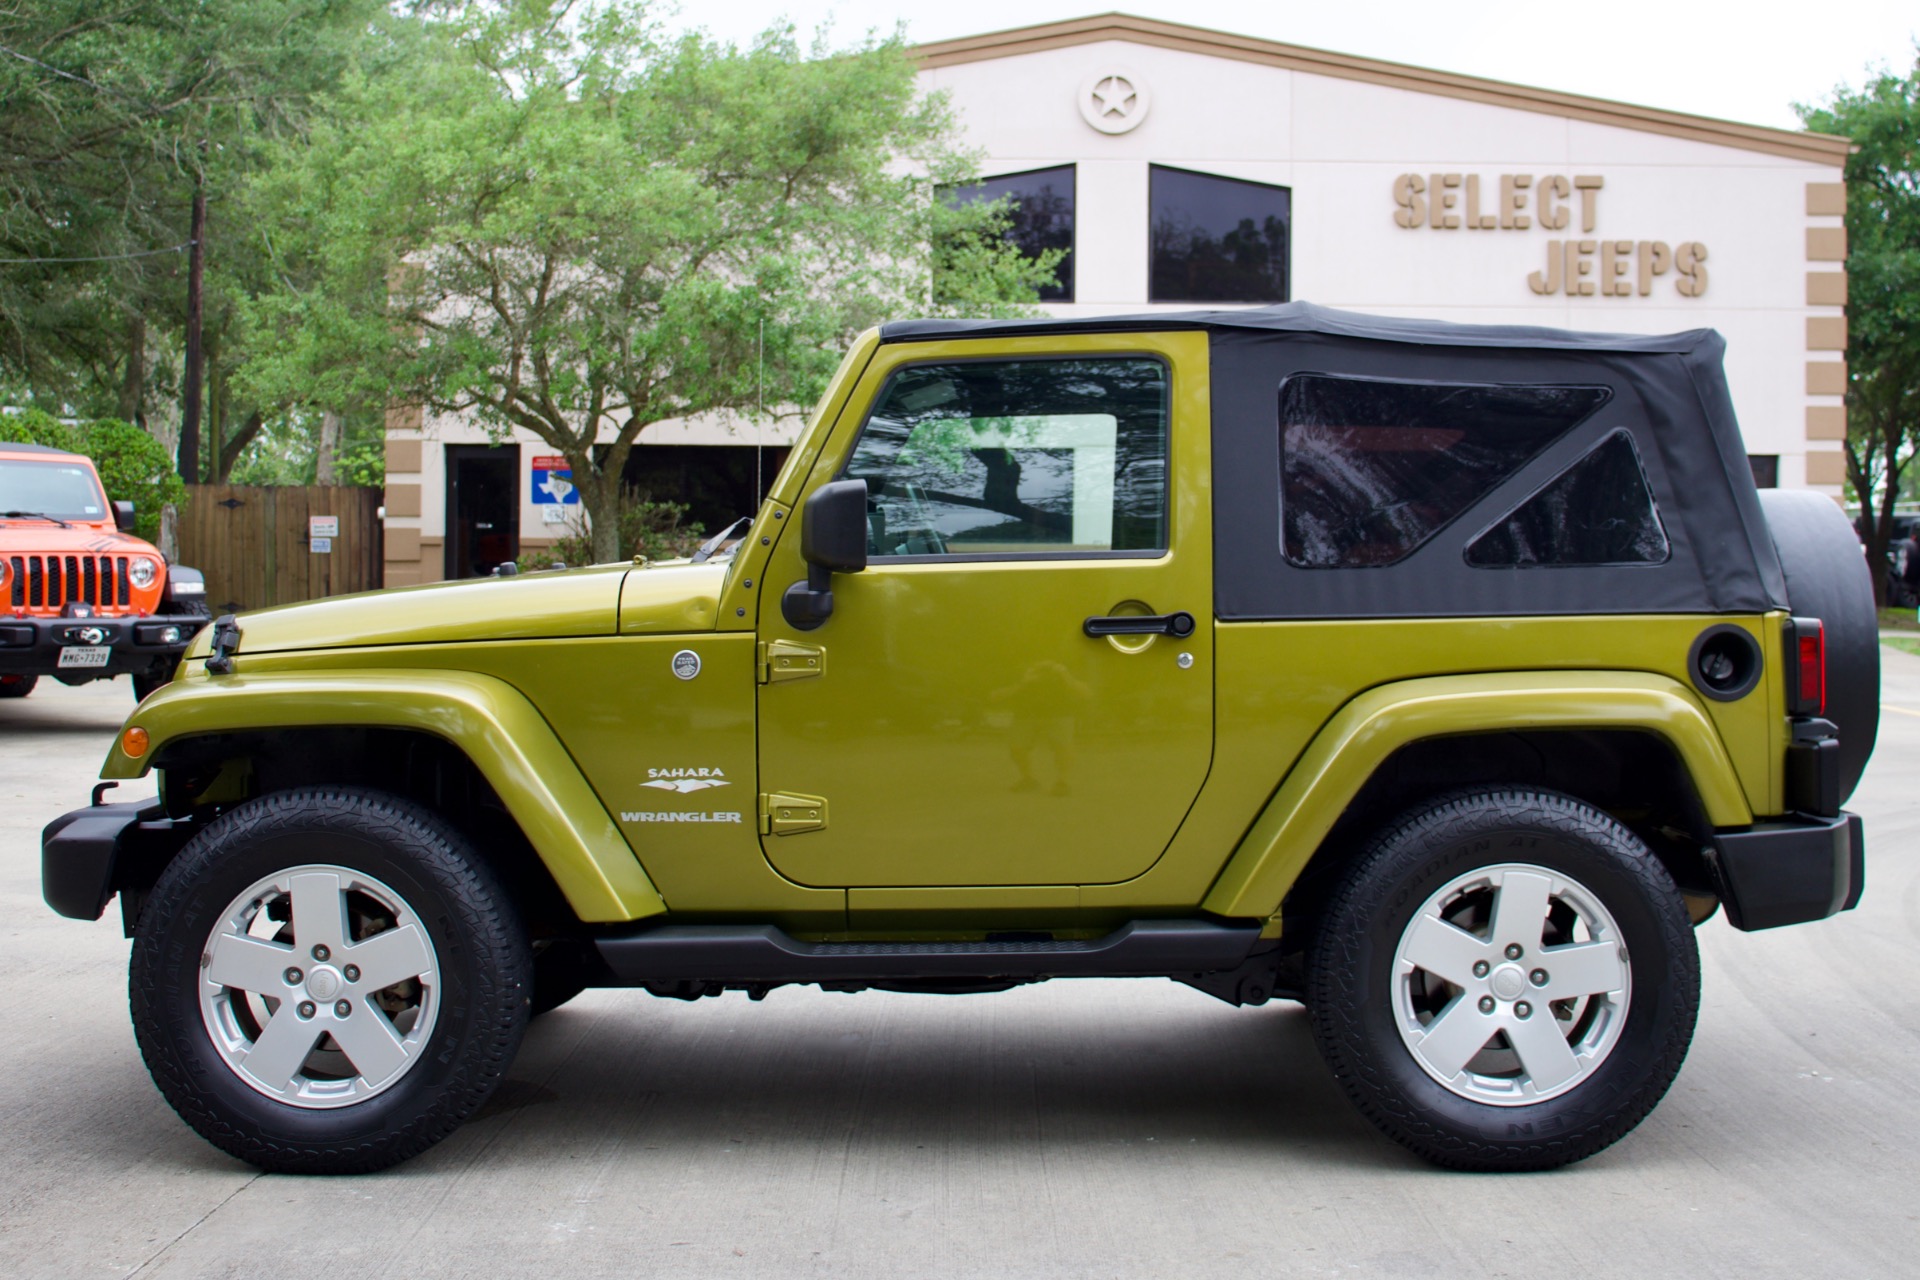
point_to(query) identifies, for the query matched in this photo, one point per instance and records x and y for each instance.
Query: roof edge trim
(1818, 148)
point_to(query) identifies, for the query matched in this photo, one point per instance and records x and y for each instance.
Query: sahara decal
(683, 781)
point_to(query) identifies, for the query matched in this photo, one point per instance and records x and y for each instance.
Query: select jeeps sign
(1577, 267)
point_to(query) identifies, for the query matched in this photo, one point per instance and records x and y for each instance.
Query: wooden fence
(253, 542)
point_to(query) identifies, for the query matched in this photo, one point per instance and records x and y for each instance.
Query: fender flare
(1367, 730)
(489, 720)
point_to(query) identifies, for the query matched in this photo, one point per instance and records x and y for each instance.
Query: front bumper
(32, 646)
(88, 855)
(1790, 871)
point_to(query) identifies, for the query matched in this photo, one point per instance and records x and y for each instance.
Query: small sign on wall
(321, 531)
(553, 483)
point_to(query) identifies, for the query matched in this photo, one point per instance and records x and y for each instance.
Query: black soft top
(1668, 390)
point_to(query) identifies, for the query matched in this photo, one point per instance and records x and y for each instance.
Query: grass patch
(1906, 644)
(1899, 620)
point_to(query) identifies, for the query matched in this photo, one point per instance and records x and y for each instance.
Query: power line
(106, 257)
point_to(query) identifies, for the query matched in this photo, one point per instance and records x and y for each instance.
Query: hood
(534, 606)
(44, 537)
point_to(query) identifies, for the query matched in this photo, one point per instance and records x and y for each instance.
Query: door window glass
(1013, 457)
(1598, 511)
(1369, 469)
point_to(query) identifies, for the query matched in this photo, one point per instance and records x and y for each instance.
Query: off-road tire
(18, 687)
(484, 975)
(1351, 981)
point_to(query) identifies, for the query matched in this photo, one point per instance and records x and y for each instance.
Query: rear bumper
(32, 646)
(1790, 871)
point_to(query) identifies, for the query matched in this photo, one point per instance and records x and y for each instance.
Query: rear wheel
(328, 981)
(1506, 981)
(17, 686)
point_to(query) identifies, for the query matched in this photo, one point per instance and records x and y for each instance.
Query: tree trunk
(327, 450)
(190, 378)
(133, 384)
(601, 497)
(230, 450)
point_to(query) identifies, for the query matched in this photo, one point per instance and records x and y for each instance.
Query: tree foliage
(560, 221)
(1883, 290)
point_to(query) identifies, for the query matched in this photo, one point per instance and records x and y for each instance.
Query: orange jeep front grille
(50, 582)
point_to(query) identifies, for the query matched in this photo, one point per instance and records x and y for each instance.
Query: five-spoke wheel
(1505, 980)
(328, 981)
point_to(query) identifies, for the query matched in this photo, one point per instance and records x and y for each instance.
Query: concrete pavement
(1072, 1129)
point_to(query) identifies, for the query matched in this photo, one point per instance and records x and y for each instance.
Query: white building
(1186, 167)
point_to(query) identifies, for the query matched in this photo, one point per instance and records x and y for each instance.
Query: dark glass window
(1217, 239)
(1011, 457)
(1600, 510)
(1042, 217)
(1370, 469)
(1766, 470)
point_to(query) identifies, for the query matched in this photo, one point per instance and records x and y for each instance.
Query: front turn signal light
(134, 741)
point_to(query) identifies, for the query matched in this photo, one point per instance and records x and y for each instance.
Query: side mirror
(833, 539)
(123, 516)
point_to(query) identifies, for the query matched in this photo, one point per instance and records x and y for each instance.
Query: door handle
(1178, 625)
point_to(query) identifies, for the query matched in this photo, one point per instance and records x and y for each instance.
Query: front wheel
(328, 980)
(1507, 980)
(17, 686)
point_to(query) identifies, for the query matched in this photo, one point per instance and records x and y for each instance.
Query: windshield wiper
(35, 515)
(711, 545)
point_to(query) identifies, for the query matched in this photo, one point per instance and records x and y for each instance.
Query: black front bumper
(1789, 871)
(32, 646)
(90, 854)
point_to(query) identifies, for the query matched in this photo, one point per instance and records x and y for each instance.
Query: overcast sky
(1745, 62)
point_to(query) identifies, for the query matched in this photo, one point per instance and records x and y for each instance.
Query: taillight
(1808, 697)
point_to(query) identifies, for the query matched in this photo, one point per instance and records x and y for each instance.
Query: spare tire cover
(1827, 578)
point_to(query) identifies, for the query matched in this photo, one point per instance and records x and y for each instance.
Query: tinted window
(1598, 511)
(1042, 217)
(1017, 456)
(1369, 470)
(1217, 239)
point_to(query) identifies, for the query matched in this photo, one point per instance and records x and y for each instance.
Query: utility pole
(190, 380)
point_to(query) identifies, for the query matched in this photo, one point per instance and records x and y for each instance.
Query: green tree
(1883, 291)
(113, 118)
(560, 222)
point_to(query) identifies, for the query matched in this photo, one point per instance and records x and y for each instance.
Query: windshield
(66, 490)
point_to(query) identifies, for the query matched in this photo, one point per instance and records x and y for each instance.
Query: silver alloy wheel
(1511, 984)
(319, 986)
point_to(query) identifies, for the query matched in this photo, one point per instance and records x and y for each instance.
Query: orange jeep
(81, 598)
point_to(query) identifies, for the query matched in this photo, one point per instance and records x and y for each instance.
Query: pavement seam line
(1887, 706)
(192, 1227)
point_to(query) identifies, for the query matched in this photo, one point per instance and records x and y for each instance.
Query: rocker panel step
(763, 953)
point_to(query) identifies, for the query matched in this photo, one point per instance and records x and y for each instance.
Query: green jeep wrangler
(1441, 678)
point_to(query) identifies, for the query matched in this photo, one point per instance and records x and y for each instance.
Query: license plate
(85, 655)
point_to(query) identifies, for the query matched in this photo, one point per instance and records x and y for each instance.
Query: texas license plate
(85, 655)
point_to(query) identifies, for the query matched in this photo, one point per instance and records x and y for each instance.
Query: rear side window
(1371, 469)
(1600, 510)
(1017, 457)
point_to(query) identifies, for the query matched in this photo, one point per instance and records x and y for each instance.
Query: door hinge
(785, 814)
(782, 660)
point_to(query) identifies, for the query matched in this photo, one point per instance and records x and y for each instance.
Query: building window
(1217, 239)
(1042, 217)
(1766, 470)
